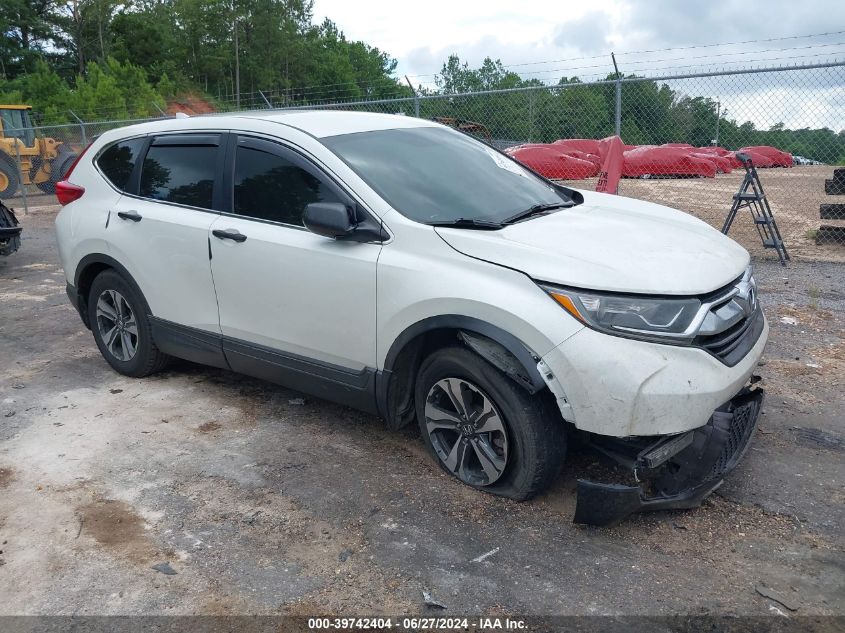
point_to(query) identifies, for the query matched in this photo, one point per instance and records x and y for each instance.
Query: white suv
(406, 269)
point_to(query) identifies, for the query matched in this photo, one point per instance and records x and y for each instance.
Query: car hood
(611, 243)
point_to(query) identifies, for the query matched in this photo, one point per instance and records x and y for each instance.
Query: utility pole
(76, 18)
(618, 109)
(719, 115)
(237, 60)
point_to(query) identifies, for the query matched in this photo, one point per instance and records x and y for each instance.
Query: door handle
(229, 234)
(130, 215)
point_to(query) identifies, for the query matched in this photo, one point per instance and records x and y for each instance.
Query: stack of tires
(833, 233)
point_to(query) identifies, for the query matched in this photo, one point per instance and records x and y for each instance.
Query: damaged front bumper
(674, 472)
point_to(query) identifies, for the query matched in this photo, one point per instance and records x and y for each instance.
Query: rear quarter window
(183, 174)
(117, 161)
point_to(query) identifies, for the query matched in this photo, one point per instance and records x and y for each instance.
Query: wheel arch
(394, 392)
(87, 270)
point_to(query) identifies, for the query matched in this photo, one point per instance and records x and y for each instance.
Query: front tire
(486, 430)
(118, 317)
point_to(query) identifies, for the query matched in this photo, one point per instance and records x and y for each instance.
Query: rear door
(291, 303)
(159, 229)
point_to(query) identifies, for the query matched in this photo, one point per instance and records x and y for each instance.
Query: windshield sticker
(506, 164)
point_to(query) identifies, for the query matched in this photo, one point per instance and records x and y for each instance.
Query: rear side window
(180, 173)
(270, 187)
(118, 161)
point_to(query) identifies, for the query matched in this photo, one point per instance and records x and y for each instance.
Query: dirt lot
(262, 503)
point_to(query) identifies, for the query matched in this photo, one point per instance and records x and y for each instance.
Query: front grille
(733, 344)
(739, 429)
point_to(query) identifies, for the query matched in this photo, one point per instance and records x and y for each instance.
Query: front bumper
(670, 480)
(623, 387)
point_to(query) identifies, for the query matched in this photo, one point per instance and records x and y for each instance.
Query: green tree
(28, 29)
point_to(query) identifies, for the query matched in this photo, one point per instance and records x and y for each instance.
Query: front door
(295, 307)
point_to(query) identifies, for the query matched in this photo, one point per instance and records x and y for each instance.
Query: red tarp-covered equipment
(650, 160)
(766, 156)
(551, 162)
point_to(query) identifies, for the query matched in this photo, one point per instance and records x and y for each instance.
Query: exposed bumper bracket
(684, 480)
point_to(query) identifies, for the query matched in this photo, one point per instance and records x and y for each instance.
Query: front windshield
(435, 175)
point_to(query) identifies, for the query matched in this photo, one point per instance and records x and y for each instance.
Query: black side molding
(73, 295)
(324, 380)
(354, 388)
(189, 343)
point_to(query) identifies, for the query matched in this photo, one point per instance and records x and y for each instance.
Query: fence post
(618, 118)
(618, 126)
(81, 127)
(531, 116)
(163, 113)
(269, 105)
(20, 176)
(416, 98)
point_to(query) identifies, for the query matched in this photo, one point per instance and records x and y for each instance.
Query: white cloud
(421, 35)
(547, 39)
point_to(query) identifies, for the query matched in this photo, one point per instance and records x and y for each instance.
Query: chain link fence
(32, 160)
(680, 132)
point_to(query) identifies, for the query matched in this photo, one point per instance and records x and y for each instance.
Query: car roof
(321, 123)
(318, 123)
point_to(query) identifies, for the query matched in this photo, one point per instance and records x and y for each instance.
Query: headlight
(633, 316)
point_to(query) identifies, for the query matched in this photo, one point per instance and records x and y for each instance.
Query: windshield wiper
(468, 223)
(537, 209)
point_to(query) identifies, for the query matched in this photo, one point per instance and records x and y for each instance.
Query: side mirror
(329, 219)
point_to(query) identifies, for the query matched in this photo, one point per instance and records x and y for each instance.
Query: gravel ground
(263, 503)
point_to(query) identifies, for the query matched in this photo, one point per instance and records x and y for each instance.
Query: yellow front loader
(26, 158)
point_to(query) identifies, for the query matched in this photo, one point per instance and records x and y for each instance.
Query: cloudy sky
(422, 34)
(549, 38)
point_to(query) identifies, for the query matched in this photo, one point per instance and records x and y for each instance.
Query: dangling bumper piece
(675, 472)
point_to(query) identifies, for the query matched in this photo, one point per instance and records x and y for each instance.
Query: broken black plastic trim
(606, 505)
(684, 480)
(10, 231)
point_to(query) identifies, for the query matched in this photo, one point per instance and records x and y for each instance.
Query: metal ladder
(751, 196)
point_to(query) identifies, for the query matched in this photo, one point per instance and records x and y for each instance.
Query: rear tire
(60, 167)
(486, 430)
(118, 317)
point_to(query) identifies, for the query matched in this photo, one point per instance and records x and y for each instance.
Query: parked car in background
(802, 160)
(406, 269)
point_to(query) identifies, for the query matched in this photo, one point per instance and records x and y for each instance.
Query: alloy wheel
(467, 431)
(117, 326)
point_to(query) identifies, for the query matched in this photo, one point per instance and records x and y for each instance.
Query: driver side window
(272, 188)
